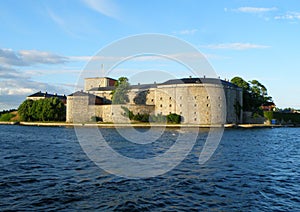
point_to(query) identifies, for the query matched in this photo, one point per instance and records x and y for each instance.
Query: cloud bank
(29, 57)
(15, 83)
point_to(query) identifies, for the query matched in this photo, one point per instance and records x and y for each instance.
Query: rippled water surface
(45, 169)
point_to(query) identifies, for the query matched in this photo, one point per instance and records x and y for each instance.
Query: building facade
(204, 101)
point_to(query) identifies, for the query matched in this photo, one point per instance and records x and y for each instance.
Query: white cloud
(254, 9)
(186, 32)
(95, 58)
(29, 57)
(104, 7)
(14, 91)
(34, 56)
(289, 16)
(16, 84)
(236, 46)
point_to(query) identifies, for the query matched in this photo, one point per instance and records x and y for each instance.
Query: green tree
(141, 97)
(254, 94)
(50, 109)
(7, 116)
(120, 93)
(241, 83)
(25, 110)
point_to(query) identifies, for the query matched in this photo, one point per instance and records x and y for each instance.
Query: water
(45, 169)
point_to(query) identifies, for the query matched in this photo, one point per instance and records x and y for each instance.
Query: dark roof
(269, 104)
(143, 86)
(173, 82)
(81, 93)
(102, 77)
(108, 88)
(198, 80)
(47, 95)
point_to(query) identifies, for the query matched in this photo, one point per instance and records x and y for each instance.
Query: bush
(158, 118)
(96, 119)
(293, 118)
(7, 117)
(174, 118)
(171, 118)
(268, 115)
(127, 113)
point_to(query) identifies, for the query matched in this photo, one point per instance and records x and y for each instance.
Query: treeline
(283, 118)
(50, 109)
(7, 115)
(7, 111)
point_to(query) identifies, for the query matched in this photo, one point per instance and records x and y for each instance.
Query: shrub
(287, 117)
(171, 118)
(174, 118)
(158, 118)
(268, 115)
(95, 119)
(128, 113)
(6, 116)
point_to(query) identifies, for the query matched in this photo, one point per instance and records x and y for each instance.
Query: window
(160, 105)
(180, 97)
(170, 105)
(195, 119)
(207, 105)
(180, 113)
(152, 100)
(180, 105)
(195, 97)
(195, 113)
(195, 105)
(207, 97)
(160, 98)
(170, 98)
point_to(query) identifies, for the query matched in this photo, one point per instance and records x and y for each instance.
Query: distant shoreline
(140, 125)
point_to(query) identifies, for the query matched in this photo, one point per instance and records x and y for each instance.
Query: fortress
(203, 101)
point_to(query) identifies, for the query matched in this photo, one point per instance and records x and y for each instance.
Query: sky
(46, 45)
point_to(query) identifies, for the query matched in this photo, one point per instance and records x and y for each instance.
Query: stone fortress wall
(198, 103)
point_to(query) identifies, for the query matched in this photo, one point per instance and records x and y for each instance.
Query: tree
(141, 97)
(25, 110)
(120, 93)
(241, 83)
(50, 109)
(246, 92)
(255, 94)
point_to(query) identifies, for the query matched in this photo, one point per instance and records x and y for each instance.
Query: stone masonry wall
(196, 103)
(90, 83)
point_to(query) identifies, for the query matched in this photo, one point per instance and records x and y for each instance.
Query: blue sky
(45, 45)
